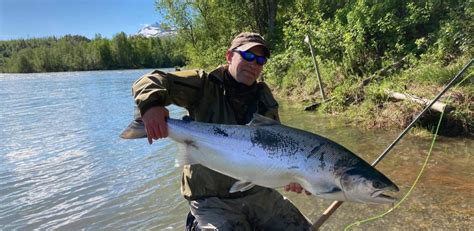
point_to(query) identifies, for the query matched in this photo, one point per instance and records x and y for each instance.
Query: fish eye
(376, 184)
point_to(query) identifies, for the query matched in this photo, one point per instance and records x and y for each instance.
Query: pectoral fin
(326, 189)
(241, 186)
(333, 190)
(332, 193)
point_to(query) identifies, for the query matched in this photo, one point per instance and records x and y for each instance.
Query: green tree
(103, 49)
(205, 27)
(122, 51)
(21, 62)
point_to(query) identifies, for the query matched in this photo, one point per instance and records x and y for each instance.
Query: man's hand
(155, 123)
(295, 187)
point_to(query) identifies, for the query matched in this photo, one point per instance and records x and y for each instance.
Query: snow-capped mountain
(156, 30)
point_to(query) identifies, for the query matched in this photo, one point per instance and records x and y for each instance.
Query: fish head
(367, 185)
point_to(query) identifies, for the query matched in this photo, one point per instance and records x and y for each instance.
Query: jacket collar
(219, 73)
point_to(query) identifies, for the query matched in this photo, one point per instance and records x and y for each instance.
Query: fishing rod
(336, 204)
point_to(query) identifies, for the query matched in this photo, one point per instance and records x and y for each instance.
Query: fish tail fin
(135, 130)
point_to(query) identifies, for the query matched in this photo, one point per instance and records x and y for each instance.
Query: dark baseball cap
(246, 40)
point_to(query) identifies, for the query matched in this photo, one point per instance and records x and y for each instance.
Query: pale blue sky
(41, 18)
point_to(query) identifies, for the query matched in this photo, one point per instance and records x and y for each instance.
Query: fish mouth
(390, 188)
(379, 194)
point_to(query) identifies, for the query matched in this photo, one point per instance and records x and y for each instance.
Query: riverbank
(78, 53)
(367, 102)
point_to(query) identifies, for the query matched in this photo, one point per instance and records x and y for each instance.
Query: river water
(62, 165)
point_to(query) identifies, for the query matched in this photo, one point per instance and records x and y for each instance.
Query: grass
(369, 106)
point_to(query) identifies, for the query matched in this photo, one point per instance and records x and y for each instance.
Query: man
(229, 94)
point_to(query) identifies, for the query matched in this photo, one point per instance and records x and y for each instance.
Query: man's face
(244, 71)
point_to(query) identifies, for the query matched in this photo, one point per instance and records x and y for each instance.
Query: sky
(42, 18)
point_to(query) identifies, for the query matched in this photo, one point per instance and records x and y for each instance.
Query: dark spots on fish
(347, 159)
(314, 151)
(219, 131)
(322, 163)
(266, 139)
(293, 167)
(344, 162)
(274, 143)
(191, 143)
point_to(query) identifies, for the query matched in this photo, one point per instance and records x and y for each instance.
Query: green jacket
(209, 97)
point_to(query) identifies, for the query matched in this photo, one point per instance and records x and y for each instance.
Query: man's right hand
(155, 123)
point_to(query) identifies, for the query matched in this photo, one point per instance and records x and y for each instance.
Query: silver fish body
(269, 154)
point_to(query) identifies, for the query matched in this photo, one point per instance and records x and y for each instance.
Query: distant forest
(358, 37)
(78, 53)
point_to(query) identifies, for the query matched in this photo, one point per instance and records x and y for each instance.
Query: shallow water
(441, 200)
(62, 165)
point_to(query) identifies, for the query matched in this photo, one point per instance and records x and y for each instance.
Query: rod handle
(329, 211)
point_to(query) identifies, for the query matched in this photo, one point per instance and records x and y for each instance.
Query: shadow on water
(62, 165)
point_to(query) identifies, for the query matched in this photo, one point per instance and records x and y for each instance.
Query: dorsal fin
(187, 118)
(260, 120)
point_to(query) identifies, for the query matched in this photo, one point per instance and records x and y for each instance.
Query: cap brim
(249, 45)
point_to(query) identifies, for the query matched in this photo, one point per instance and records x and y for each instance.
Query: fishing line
(433, 141)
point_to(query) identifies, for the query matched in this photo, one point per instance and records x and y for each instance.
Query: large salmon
(267, 153)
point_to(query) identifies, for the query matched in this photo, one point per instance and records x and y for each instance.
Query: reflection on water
(62, 165)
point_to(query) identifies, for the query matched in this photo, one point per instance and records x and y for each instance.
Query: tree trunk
(437, 106)
(265, 15)
(271, 13)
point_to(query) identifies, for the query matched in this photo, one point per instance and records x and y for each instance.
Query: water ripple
(63, 166)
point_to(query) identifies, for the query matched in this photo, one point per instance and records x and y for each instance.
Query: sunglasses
(250, 57)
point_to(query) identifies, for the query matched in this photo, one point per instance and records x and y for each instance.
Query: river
(63, 166)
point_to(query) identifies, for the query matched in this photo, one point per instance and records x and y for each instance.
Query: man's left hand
(295, 187)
